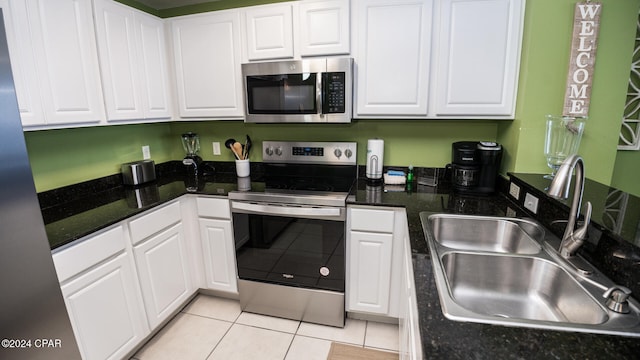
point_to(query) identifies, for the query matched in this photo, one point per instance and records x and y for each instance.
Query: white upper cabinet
(296, 29)
(475, 47)
(393, 47)
(66, 61)
(269, 31)
(324, 27)
(132, 51)
(206, 52)
(22, 61)
(478, 57)
(153, 62)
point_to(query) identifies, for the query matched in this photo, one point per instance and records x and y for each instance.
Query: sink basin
(463, 232)
(506, 271)
(519, 287)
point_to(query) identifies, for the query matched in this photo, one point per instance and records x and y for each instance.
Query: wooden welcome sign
(586, 24)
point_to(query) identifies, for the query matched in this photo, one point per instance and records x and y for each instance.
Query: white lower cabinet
(218, 246)
(410, 341)
(219, 255)
(162, 263)
(370, 269)
(164, 273)
(102, 296)
(374, 256)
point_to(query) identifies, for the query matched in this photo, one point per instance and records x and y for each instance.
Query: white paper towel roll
(375, 158)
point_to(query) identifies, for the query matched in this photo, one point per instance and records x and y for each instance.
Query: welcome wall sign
(586, 24)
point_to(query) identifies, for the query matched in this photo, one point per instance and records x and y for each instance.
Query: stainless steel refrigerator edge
(34, 323)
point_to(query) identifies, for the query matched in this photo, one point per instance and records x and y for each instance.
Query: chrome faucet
(559, 188)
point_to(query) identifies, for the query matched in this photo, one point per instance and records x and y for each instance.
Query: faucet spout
(559, 188)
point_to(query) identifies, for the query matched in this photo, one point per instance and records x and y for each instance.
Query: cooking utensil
(237, 149)
(247, 145)
(236, 154)
(229, 143)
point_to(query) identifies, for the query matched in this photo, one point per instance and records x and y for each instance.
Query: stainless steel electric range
(290, 237)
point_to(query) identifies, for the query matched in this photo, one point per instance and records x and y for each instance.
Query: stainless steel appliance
(191, 145)
(289, 233)
(475, 166)
(192, 161)
(304, 91)
(34, 323)
(138, 172)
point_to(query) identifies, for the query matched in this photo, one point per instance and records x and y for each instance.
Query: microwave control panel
(334, 84)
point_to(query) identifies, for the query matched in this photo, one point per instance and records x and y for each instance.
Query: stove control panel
(313, 152)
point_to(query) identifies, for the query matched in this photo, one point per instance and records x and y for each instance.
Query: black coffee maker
(474, 166)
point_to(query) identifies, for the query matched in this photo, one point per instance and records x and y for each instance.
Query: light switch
(216, 148)
(146, 153)
(514, 191)
(531, 203)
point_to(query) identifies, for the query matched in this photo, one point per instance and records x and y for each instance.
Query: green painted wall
(627, 172)
(407, 142)
(67, 156)
(58, 161)
(545, 56)
(197, 8)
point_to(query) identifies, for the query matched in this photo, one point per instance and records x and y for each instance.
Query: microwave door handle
(322, 82)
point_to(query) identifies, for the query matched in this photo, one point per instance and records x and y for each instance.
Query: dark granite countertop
(446, 339)
(441, 338)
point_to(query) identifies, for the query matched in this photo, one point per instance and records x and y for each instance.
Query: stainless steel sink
(519, 287)
(464, 232)
(505, 271)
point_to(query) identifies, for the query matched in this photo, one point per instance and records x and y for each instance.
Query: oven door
(290, 245)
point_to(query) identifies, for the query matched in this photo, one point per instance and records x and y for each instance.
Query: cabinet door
(105, 309)
(133, 59)
(324, 27)
(393, 57)
(369, 271)
(22, 61)
(269, 32)
(153, 65)
(66, 60)
(207, 59)
(163, 269)
(115, 28)
(478, 57)
(219, 254)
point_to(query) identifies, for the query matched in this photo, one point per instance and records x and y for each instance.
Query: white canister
(243, 168)
(375, 158)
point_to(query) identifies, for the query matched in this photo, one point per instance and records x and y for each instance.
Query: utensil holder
(243, 168)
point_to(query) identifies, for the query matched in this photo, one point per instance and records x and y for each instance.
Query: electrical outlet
(216, 148)
(146, 153)
(531, 203)
(514, 191)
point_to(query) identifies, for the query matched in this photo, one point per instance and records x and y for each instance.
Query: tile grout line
(267, 328)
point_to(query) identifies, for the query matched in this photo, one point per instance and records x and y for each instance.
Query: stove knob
(337, 153)
(269, 151)
(348, 153)
(279, 151)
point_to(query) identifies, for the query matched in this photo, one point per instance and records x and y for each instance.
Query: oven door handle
(286, 210)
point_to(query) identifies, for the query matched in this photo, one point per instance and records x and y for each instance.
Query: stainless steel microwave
(305, 91)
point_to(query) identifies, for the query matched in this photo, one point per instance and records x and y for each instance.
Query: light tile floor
(215, 328)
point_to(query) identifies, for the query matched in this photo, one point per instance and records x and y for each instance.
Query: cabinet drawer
(214, 208)
(87, 253)
(372, 220)
(152, 223)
